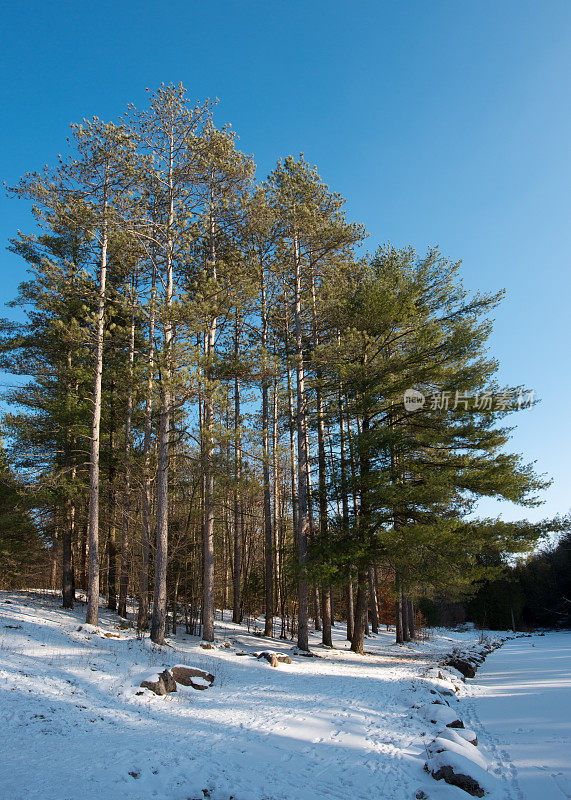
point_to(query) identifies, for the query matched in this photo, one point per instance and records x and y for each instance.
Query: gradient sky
(442, 123)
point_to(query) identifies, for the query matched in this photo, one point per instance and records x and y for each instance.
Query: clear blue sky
(441, 122)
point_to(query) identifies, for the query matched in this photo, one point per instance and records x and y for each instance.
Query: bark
(143, 615)
(208, 530)
(360, 624)
(237, 576)
(350, 610)
(345, 509)
(276, 493)
(398, 619)
(373, 601)
(112, 504)
(92, 616)
(303, 464)
(124, 580)
(411, 621)
(68, 593)
(404, 614)
(54, 558)
(292, 425)
(268, 537)
(68, 588)
(158, 621)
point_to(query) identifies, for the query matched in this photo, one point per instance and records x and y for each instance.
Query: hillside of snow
(77, 726)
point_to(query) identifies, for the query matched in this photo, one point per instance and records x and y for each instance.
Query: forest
(207, 404)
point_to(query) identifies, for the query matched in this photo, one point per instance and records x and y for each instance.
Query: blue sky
(441, 122)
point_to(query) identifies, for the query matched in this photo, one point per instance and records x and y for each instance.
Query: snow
(520, 703)
(76, 724)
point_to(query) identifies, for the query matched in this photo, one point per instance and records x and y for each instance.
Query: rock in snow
(273, 658)
(190, 676)
(442, 715)
(164, 684)
(462, 748)
(459, 770)
(460, 735)
(463, 665)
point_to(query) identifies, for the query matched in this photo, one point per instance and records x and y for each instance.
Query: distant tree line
(209, 409)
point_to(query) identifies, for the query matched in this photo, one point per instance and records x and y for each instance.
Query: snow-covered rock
(442, 715)
(459, 770)
(460, 735)
(273, 658)
(461, 747)
(190, 676)
(164, 683)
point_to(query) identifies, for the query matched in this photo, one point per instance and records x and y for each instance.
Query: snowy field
(76, 725)
(520, 701)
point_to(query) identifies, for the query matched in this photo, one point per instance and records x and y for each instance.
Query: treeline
(211, 409)
(534, 593)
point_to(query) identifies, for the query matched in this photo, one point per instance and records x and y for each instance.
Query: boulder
(459, 770)
(460, 735)
(443, 716)
(464, 666)
(273, 658)
(190, 676)
(164, 684)
(442, 744)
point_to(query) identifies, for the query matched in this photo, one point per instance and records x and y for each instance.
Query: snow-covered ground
(520, 701)
(76, 726)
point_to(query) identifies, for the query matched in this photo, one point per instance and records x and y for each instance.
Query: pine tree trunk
(404, 613)
(373, 601)
(292, 448)
(360, 624)
(237, 577)
(143, 615)
(111, 512)
(68, 587)
(411, 621)
(345, 510)
(92, 616)
(158, 621)
(124, 580)
(68, 594)
(350, 609)
(268, 536)
(398, 618)
(276, 493)
(208, 530)
(54, 558)
(303, 465)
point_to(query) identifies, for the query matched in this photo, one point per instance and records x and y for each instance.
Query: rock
(273, 658)
(460, 735)
(462, 665)
(190, 676)
(442, 715)
(157, 686)
(460, 771)
(168, 680)
(442, 744)
(164, 684)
